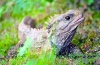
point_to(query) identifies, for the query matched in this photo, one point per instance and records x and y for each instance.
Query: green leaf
(1, 11)
(90, 1)
(31, 62)
(28, 43)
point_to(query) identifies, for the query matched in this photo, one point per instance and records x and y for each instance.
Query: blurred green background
(13, 11)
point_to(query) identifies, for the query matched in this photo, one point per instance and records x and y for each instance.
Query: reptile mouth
(78, 21)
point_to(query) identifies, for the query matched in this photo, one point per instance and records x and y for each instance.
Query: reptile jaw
(78, 20)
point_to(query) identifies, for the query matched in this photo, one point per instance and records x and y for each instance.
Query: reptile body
(59, 32)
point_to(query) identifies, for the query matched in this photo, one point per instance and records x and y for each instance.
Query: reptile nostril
(77, 13)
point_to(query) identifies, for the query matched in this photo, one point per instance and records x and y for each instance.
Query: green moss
(12, 12)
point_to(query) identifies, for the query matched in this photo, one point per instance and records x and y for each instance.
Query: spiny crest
(53, 18)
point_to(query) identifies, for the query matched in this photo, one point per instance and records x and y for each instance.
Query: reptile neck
(67, 44)
(69, 39)
(65, 38)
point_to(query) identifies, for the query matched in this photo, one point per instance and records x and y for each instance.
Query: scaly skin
(60, 32)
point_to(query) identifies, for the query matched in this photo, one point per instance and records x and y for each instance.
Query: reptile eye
(67, 18)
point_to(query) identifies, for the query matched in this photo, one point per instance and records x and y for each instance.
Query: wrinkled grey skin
(63, 29)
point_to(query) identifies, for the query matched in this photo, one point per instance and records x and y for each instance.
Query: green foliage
(1, 11)
(28, 43)
(13, 11)
(7, 38)
(90, 1)
(47, 58)
(20, 8)
(32, 62)
(17, 61)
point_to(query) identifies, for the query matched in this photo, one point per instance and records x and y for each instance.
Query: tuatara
(59, 33)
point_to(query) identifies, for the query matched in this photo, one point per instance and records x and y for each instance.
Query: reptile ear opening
(48, 27)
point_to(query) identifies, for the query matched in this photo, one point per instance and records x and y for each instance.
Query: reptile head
(70, 20)
(63, 27)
